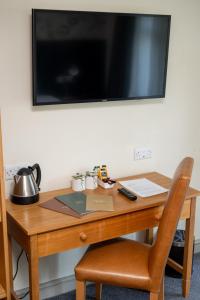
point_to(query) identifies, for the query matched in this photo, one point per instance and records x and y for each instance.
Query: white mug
(91, 182)
(78, 184)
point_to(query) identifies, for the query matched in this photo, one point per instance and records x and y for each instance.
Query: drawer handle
(83, 236)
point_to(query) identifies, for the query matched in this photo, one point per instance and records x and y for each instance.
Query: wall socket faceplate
(142, 153)
(11, 171)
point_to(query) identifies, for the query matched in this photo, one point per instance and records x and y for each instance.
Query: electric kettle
(26, 187)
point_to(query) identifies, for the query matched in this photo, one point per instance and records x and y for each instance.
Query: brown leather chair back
(168, 223)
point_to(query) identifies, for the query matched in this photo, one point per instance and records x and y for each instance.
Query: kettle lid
(24, 172)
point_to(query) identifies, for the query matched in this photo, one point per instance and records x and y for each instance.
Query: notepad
(76, 201)
(143, 187)
(99, 202)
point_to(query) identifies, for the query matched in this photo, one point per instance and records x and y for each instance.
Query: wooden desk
(41, 232)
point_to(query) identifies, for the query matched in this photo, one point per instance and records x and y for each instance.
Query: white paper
(143, 187)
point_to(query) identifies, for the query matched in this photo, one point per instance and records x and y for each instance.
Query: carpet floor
(172, 289)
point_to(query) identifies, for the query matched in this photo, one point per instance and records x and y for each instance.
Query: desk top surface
(34, 219)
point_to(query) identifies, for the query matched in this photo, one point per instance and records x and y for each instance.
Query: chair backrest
(168, 223)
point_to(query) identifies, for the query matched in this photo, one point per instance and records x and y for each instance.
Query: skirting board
(197, 246)
(52, 288)
(65, 284)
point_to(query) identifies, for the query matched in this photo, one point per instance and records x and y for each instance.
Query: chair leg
(154, 296)
(98, 290)
(80, 290)
(160, 295)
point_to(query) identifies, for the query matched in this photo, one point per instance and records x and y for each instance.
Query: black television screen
(94, 56)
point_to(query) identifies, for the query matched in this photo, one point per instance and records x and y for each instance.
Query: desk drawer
(96, 231)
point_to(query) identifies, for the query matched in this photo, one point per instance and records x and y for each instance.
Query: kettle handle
(37, 168)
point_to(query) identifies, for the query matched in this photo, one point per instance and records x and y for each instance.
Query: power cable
(16, 272)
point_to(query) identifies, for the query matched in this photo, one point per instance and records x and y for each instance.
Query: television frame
(34, 60)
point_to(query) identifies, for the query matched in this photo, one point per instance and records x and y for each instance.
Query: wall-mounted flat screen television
(95, 56)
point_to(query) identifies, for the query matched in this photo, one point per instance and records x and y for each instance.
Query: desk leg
(10, 260)
(33, 268)
(188, 249)
(13, 295)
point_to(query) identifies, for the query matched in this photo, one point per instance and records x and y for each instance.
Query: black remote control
(128, 194)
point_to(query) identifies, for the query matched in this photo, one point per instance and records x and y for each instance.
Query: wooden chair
(132, 264)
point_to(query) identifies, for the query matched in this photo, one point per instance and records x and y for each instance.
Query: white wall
(69, 138)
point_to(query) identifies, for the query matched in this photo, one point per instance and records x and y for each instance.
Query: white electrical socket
(11, 171)
(142, 153)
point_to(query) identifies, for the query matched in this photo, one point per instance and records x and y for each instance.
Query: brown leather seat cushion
(124, 262)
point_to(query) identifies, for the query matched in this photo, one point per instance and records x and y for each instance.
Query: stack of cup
(78, 182)
(91, 180)
(81, 182)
